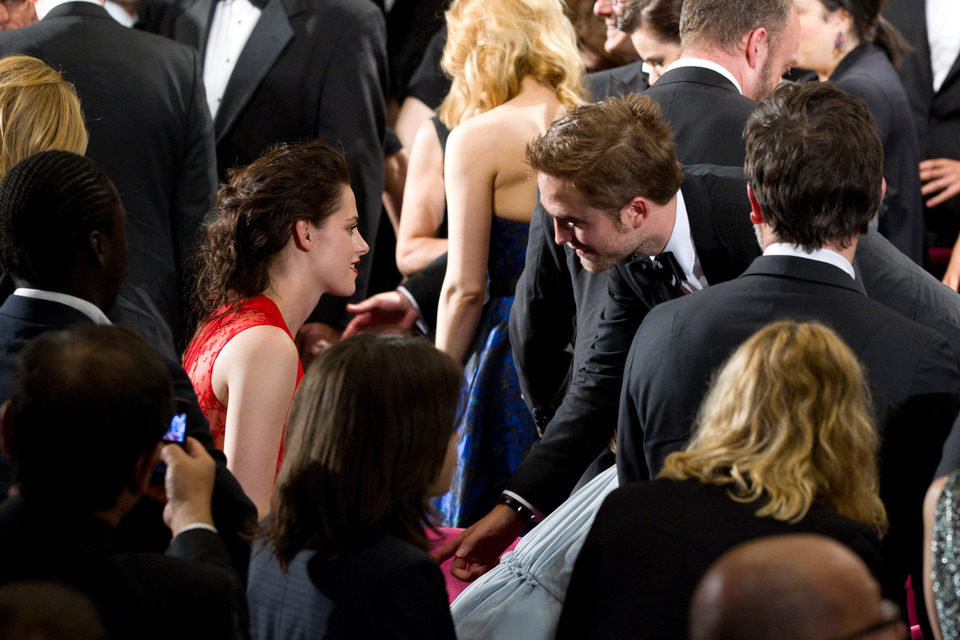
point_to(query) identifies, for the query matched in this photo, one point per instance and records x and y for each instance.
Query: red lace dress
(211, 339)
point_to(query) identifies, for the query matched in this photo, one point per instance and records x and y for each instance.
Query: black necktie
(663, 274)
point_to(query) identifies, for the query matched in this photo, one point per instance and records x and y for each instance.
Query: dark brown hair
(815, 163)
(612, 151)
(723, 23)
(661, 16)
(367, 436)
(870, 26)
(257, 210)
(91, 395)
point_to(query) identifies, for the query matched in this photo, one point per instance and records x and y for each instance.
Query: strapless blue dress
(495, 426)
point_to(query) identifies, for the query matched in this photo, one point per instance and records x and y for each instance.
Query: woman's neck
(295, 299)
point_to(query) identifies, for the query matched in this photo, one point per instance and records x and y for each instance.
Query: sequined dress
(496, 428)
(946, 558)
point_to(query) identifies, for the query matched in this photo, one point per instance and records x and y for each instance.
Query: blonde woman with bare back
(520, 55)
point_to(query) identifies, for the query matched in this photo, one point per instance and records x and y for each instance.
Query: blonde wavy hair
(492, 45)
(788, 421)
(39, 111)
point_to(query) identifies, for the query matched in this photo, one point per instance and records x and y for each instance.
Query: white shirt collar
(119, 14)
(45, 6)
(85, 307)
(706, 64)
(820, 255)
(681, 245)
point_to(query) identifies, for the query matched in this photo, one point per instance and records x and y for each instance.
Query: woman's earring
(839, 43)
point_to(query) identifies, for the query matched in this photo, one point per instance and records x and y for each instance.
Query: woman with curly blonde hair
(785, 442)
(515, 69)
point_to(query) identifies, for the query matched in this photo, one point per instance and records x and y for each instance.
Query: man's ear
(94, 249)
(635, 213)
(756, 40)
(6, 430)
(301, 235)
(756, 215)
(144, 468)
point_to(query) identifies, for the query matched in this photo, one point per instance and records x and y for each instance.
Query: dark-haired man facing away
(91, 404)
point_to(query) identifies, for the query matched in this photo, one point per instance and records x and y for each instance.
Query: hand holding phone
(189, 485)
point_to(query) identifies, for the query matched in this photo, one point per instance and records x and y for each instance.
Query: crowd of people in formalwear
(415, 319)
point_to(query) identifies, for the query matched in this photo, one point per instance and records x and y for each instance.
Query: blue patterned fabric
(496, 428)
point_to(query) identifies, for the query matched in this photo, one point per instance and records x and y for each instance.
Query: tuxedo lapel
(270, 36)
(952, 75)
(193, 25)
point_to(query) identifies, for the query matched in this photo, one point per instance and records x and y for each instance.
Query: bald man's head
(792, 587)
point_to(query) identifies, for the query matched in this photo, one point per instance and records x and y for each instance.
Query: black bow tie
(663, 274)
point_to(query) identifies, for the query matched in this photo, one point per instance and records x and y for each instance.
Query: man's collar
(706, 64)
(682, 247)
(46, 6)
(822, 254)
(85, 307)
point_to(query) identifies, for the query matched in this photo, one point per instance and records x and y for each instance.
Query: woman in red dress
(285, 233)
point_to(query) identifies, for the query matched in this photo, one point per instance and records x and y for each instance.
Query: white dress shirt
(233, 22)
(681, 245)
(943, 32)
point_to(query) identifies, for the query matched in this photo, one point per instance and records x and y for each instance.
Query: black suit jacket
(911, 370)
(191, 592)
(144, 106)
(21, 320)
(311, 69)
(652, 541)
(936, 113)
(584, 423)
(866, 72)
(618, 81)
(706, 113)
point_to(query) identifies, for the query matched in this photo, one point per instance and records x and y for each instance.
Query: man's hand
(189, 485)
(940, 176)
(478, 548)
(389, 309)
(313, 338)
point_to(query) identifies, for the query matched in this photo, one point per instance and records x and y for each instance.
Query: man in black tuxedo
(286, 70)
(588, 162)
(814, 172)
(83, 428)
(63, 239)
(144, 107)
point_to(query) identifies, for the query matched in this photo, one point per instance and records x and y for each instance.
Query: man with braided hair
(63, 240)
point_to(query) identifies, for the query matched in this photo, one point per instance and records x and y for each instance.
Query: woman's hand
(940, 176)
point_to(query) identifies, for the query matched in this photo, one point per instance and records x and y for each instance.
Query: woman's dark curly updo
(257, 210)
